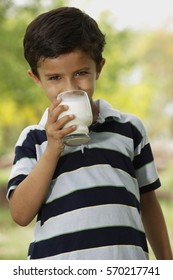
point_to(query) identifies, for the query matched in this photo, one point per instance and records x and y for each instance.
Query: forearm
(155, 226)
(29, 195)
(27, 198)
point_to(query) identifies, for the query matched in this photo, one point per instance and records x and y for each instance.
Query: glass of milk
(79, 105)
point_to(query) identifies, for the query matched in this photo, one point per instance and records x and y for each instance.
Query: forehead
(73, 60)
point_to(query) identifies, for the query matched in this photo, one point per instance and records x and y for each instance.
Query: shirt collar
(44, 118)
(106, 110)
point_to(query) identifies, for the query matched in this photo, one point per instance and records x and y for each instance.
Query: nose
(72, 84)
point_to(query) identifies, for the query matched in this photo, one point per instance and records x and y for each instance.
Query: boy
(90, 200)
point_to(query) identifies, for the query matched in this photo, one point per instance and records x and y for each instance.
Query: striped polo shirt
(92, 208)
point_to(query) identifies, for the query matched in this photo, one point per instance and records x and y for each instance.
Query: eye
(54, 78)
(81, 73)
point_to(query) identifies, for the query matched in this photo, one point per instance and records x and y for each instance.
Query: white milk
(83, 115)
(79, 105)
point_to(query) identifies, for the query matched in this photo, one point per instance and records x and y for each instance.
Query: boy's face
(75, 70)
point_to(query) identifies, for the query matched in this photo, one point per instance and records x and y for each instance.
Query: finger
(65, 131)
(61, 122)
(55, 110)
(55, 103)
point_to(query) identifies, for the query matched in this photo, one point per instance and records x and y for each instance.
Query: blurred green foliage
(137, 76)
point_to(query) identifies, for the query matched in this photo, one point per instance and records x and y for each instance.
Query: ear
(34, 77)
(99, 68)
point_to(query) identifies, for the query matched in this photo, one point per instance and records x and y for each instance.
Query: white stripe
(135, 121)
(111, 140)
(25, 133)
(89, 218)
(114, 141)
(9, 191)
(147, 174)
(141, 145)
(88, 177)
(40, 149)
(117, 252)
(22, 167)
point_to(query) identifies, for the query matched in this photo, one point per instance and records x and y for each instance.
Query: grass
(4, 174)
(14, 240)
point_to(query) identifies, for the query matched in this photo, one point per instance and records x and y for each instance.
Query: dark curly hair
(61, 31)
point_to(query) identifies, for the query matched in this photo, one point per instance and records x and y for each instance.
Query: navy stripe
(92, 157)
(86, 198)
(36, 136)
(23, 152)
(16, 180)
(93, 238)
(144, 158)
(126, 129)
(151, 187)
(33, 138)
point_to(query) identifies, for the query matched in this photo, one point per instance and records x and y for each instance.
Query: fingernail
(66, 107)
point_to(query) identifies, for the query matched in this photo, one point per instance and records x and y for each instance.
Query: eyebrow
(52, 74)
(59, 74)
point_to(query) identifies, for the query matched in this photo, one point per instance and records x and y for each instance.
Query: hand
(54, 127)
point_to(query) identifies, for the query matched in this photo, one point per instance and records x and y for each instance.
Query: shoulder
(32, 133)
(106, 110)
(128, 117)
(133, 121)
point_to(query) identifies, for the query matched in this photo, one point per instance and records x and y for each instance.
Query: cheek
(91, 82)
(50, 92)
(90, 87)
